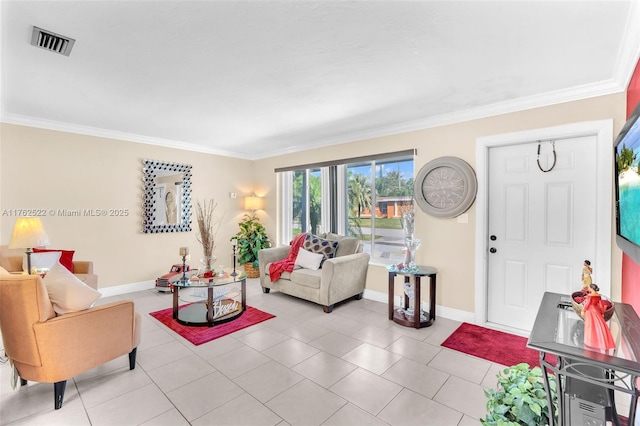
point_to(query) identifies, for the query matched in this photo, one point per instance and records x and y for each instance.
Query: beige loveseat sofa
(11, 260)
(339, 278)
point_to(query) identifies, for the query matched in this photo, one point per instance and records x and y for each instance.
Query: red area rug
(492, 345)
(200, 335)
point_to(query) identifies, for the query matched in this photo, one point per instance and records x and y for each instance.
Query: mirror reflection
(167, 197)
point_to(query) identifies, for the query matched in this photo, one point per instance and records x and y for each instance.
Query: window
(378, 193)
(359, 197)
(307, 201)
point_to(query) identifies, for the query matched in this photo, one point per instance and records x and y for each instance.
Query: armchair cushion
(66, 292)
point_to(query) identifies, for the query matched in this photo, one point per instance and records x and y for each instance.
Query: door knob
(493, 250)
(493, 238)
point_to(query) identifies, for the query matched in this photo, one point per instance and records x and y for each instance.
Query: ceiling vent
(51, 41)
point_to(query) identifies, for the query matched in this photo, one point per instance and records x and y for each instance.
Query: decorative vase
(409, 291)
(207, 270)
(413, 244)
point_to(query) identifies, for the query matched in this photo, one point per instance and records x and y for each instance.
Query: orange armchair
(47, 348)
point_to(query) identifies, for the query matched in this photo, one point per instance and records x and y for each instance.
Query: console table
(587, 378)
(415, 275)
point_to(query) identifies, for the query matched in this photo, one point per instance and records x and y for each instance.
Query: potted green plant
(521, 398)
(251, 238)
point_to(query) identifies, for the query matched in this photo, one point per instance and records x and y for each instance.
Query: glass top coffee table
(210, 301)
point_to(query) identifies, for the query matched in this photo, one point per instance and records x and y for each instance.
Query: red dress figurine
(596, 331)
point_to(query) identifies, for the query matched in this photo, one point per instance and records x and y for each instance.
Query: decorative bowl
(579, 304)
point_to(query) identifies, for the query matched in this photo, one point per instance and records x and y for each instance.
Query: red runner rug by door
(200, 335)
(492, 345)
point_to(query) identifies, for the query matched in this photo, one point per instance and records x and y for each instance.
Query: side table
(415, 275)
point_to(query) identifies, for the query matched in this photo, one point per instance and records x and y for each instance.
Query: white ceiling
(254, 79)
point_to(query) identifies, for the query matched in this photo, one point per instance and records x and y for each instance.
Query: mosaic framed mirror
(167, 197)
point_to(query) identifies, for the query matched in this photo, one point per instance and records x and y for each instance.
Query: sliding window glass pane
(359, 199)
(299, 202)
(307, 201)
(315, 201)
(394, 195)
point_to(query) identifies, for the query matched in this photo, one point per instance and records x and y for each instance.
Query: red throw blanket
(279, 266)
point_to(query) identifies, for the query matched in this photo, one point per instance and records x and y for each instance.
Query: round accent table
(211, 301)
(399, 314)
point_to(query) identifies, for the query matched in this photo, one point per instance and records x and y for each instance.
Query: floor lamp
(28, 232)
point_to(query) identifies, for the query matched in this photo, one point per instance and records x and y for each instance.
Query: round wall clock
(445, 187)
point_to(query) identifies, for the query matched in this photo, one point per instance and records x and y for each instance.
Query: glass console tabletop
(560, 331)
(206, 302)
(584, 372)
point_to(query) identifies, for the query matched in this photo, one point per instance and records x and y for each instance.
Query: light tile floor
(304, 367)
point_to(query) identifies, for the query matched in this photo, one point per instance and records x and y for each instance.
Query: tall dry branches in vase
(207, 229)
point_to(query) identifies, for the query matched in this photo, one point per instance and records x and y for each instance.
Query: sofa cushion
(348, 245)
(333, 237)
(309, 260)
(66, 256)
(306, 277)
(315, 244)
(285, 274)
(66, 292)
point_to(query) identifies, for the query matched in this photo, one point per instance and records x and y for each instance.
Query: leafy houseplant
(522, 399)
(252, 237)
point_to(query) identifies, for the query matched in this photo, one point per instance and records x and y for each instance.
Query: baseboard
(117, 290)
(441, 311)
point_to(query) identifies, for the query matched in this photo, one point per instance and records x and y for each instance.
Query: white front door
(541, 225)
(535, 228)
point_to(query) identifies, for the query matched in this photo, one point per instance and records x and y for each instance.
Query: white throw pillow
(3, 271)
(67, 292)
(42, 261)
(309, 260)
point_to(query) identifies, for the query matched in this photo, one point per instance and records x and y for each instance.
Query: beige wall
(447, 244)
(50, 170)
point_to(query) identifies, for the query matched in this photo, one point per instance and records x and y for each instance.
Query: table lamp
(28, 232)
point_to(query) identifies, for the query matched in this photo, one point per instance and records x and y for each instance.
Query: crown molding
(40, 123)
(500, 108)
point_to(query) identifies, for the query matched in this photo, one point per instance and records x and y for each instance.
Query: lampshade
(28, 232)
(253, 203)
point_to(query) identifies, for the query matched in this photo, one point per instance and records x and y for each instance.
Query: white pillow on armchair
(67, 292)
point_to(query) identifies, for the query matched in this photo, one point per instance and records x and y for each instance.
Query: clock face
(445, 187)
